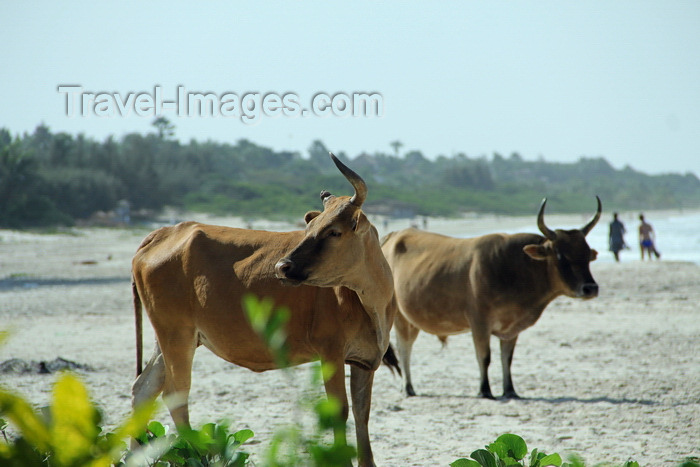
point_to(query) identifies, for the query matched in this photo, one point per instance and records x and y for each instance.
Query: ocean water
(677, 235)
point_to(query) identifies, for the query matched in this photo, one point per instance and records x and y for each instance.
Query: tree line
(49, 178)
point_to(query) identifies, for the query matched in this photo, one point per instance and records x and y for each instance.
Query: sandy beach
(612, 378)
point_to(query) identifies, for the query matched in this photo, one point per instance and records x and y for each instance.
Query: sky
(552, 80)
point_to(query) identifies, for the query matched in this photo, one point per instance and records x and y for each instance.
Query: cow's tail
(138, 316)
(391, 361)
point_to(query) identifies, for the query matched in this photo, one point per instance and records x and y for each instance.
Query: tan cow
(497, 284)
(191, 277)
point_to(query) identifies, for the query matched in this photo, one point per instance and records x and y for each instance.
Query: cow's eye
(333, 233)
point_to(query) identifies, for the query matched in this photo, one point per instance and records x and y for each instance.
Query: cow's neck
(374, 286)
(555, 288)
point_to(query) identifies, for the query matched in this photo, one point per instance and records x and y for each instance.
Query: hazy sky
(557, 80)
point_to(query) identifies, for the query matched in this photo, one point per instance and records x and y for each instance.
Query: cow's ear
(538, 252)
(360, 223)
(594, 255)
(311, 215)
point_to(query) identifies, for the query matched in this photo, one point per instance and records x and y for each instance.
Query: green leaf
(498, 448)
(156, 428)
(269, 324)
(73, 429)
(328, 413)
(465, 463)
(552, 459)
(327, 370)
(509, 462)
(23, 416)
(576, 461)
(135, 425)
(241, 436)
(484, 458)
(515, 445)
(174, 457)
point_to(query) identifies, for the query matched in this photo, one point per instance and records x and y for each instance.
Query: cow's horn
(587, 228)
(546, 231)
(358, 184)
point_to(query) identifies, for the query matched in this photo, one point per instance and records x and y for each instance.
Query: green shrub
(510, 450)
(212, 445)
(68, 433)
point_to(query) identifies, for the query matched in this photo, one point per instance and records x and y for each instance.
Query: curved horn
(355, 180)
(546, 231)
(587, 228)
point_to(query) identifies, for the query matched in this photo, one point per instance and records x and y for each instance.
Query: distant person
(647, 237)
(616, 237)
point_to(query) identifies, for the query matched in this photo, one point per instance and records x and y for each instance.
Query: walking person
(647, 238)
(616, 238)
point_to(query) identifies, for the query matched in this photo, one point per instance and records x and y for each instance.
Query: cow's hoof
(511, 395)
(409, 390)
(487, 395)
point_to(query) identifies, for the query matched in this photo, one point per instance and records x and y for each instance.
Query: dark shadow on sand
(591, 400)
(31, 283)
(549, 400)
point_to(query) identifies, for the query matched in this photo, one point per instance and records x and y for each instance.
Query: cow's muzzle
(589, 290)
(286, 271)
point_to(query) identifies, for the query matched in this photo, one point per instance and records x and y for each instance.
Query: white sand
(613, 378)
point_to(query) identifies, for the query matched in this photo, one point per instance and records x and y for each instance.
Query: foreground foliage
(510, 450)
(212, 445)
(74, 439)
(66, 434)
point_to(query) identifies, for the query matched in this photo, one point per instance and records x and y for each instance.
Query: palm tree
(397, 146)
(164, 127)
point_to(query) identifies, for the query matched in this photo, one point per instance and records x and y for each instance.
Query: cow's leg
(482, 337)
(178, 347)
(507, 348)
(149, 383)
(361, 393)
(335, 386)
(406, 335)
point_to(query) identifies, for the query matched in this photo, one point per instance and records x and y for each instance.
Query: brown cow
(495, 284)
(191, 277)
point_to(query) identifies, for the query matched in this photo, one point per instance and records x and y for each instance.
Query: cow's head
(341, 247)
(568, 256)
(335, 240)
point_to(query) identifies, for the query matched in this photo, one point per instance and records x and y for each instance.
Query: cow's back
(187, 251)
